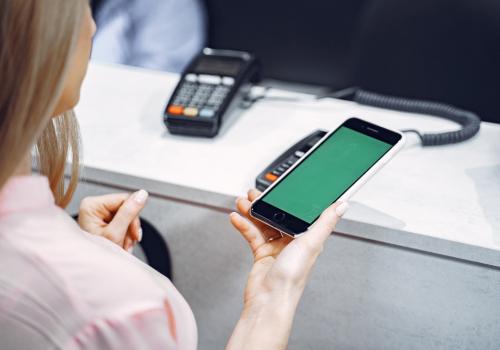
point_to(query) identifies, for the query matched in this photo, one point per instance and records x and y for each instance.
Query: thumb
(126, 214)
(325, 225)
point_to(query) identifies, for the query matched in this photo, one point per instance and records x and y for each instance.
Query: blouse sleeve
(152, 329)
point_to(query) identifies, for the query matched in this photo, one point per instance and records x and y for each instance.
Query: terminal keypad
(200, 96)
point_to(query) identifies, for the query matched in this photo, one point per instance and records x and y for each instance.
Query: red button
(271, 177)
(175, 110)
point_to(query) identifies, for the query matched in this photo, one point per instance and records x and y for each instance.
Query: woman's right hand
(276, 282)
(114, 216)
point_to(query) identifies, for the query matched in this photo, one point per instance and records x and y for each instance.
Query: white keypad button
(192, 78)
(209, 79)
(228, 81)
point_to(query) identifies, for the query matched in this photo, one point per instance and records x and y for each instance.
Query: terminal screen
(227, 66)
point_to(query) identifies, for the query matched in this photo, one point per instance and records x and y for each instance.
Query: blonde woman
(70, 286)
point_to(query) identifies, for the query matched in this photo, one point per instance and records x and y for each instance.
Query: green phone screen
(326, 174)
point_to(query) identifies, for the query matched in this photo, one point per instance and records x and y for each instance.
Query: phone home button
(279, 217)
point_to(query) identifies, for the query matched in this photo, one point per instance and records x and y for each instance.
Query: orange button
(271, 177)
(175, 110)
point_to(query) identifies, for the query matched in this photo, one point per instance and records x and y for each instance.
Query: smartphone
(333, 170)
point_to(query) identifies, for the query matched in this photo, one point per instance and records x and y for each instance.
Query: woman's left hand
(114, 216)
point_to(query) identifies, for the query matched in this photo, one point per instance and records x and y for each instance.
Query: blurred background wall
(444, 50)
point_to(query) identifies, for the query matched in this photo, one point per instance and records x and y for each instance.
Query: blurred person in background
(155, 34)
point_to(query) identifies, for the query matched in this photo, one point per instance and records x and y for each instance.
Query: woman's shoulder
(43, 306)
(98, 274)
(73, 283)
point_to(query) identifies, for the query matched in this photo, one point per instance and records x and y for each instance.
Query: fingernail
(140, 235)
(342, 209)
(131, 249)
(141, 196)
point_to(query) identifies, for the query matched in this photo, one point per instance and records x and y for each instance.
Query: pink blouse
(61, 287)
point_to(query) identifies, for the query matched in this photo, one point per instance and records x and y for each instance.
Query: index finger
(325, 225)
(127, 213)
(253, 194)
(110, 202)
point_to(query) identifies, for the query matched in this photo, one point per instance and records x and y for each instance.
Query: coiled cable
(470, 122)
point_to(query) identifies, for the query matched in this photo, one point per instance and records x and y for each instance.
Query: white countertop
(450, 194)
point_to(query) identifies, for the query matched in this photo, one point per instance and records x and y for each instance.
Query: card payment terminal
(214, 83)
(277, 168)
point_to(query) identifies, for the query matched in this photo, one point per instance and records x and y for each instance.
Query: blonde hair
(37, 39)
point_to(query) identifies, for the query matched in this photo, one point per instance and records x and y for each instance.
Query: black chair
(156, 249)
(443, 50)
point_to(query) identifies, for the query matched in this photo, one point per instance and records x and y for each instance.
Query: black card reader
(277, 168)
(213, 84)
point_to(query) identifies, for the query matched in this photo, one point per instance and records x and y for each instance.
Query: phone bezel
(293, 226)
